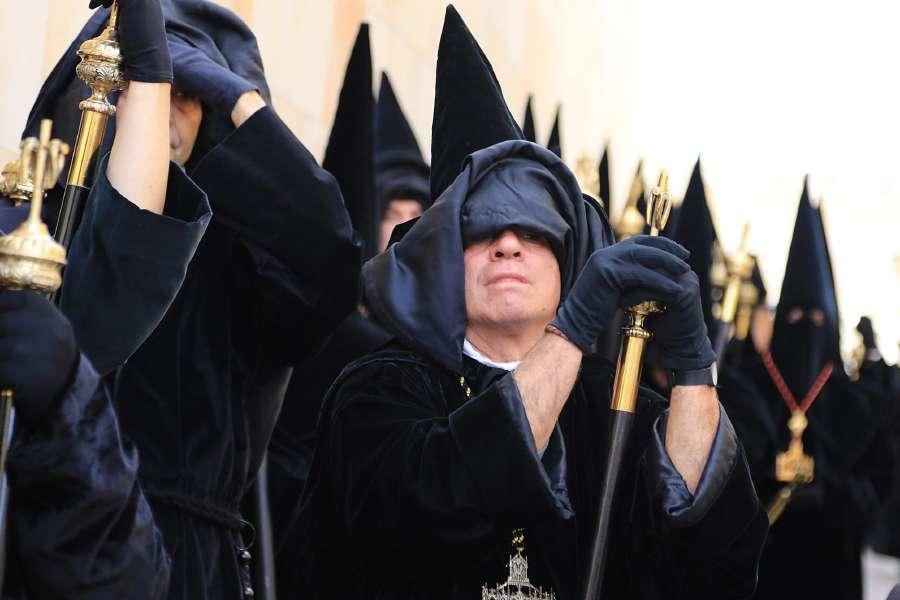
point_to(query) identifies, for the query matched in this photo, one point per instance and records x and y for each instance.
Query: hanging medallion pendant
(517, 586)
(794, 465)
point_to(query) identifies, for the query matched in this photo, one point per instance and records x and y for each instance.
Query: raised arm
(144, 218)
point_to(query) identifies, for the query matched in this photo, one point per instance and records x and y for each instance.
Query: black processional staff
(99, 69)
(30, 259)
(624, 397)
(740, 267)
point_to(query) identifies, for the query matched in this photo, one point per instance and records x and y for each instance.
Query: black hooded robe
(813, 549)
(79, 525)
(275, 272)
(415, 491)
(416, 486)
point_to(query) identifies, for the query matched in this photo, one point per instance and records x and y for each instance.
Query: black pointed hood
(695, 231)
(350, 152)
(528, 122)
(820, 217)
(469, 110)
(603, 173)
(553, 143)
(400, 168)
(416, 288)
(802, 347)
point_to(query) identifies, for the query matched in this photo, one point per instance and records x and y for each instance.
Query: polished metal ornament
(517, 586)
(794, 465)
(30, 259)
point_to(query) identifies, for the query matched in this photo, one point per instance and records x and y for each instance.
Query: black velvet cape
(415, 489)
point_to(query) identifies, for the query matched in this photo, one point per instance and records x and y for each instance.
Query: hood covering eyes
(517, 194)
(802, 347)
(416, 289)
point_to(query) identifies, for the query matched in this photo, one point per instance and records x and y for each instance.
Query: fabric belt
(202, 509)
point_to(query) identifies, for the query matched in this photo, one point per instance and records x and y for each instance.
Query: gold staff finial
(586, 171)
(631, 222)
(17, 181)
(29, 257)
(635, 335)
(740, 268)
(99, 69)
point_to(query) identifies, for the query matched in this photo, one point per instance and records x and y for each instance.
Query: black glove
(864, 327)
(197, 75)
(639, 268)
(142, 38)
(38, 354)
(680, 332)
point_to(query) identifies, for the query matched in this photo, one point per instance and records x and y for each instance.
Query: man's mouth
(504, 277)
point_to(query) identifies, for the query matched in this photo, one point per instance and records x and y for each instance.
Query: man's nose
(507, 245)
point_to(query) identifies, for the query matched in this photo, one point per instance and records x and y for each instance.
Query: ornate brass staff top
(29, 259)
(99, 68)
(632, 222)
(624, 396)
(740, 267)
(589, 178)
(17, 181)
(747, 302)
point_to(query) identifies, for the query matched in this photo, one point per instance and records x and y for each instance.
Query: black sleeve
(669, 542)
(265, 186)
(127, 264)
(426, 483)
(712, 538)
(80, 526)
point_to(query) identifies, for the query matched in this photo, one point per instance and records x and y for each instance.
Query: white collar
(473, 352)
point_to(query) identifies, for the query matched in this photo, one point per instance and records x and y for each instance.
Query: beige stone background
(766, 91)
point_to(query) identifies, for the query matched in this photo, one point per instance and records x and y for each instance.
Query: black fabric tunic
(293, 440)
(813, 550)
(415, 489)
(881, 380)
(276, 270)
(79, 525)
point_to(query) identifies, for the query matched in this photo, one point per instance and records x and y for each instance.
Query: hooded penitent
(400, 169)
(349, 155)
(554, 144)
(528, 122)
(415, 289)
(696, 232)
(403, 500)
(211, 28)
(802, 342)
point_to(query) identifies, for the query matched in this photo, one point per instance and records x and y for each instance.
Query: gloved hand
(142, 38)
(639, 268)
(198, 75)
(864, 327)
(38, 353)
(680, 332)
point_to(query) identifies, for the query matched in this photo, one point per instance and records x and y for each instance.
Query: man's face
(185, 115)
(512, 280)
(399, 210)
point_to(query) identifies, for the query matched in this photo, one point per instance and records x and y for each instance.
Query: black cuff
(680, 507)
